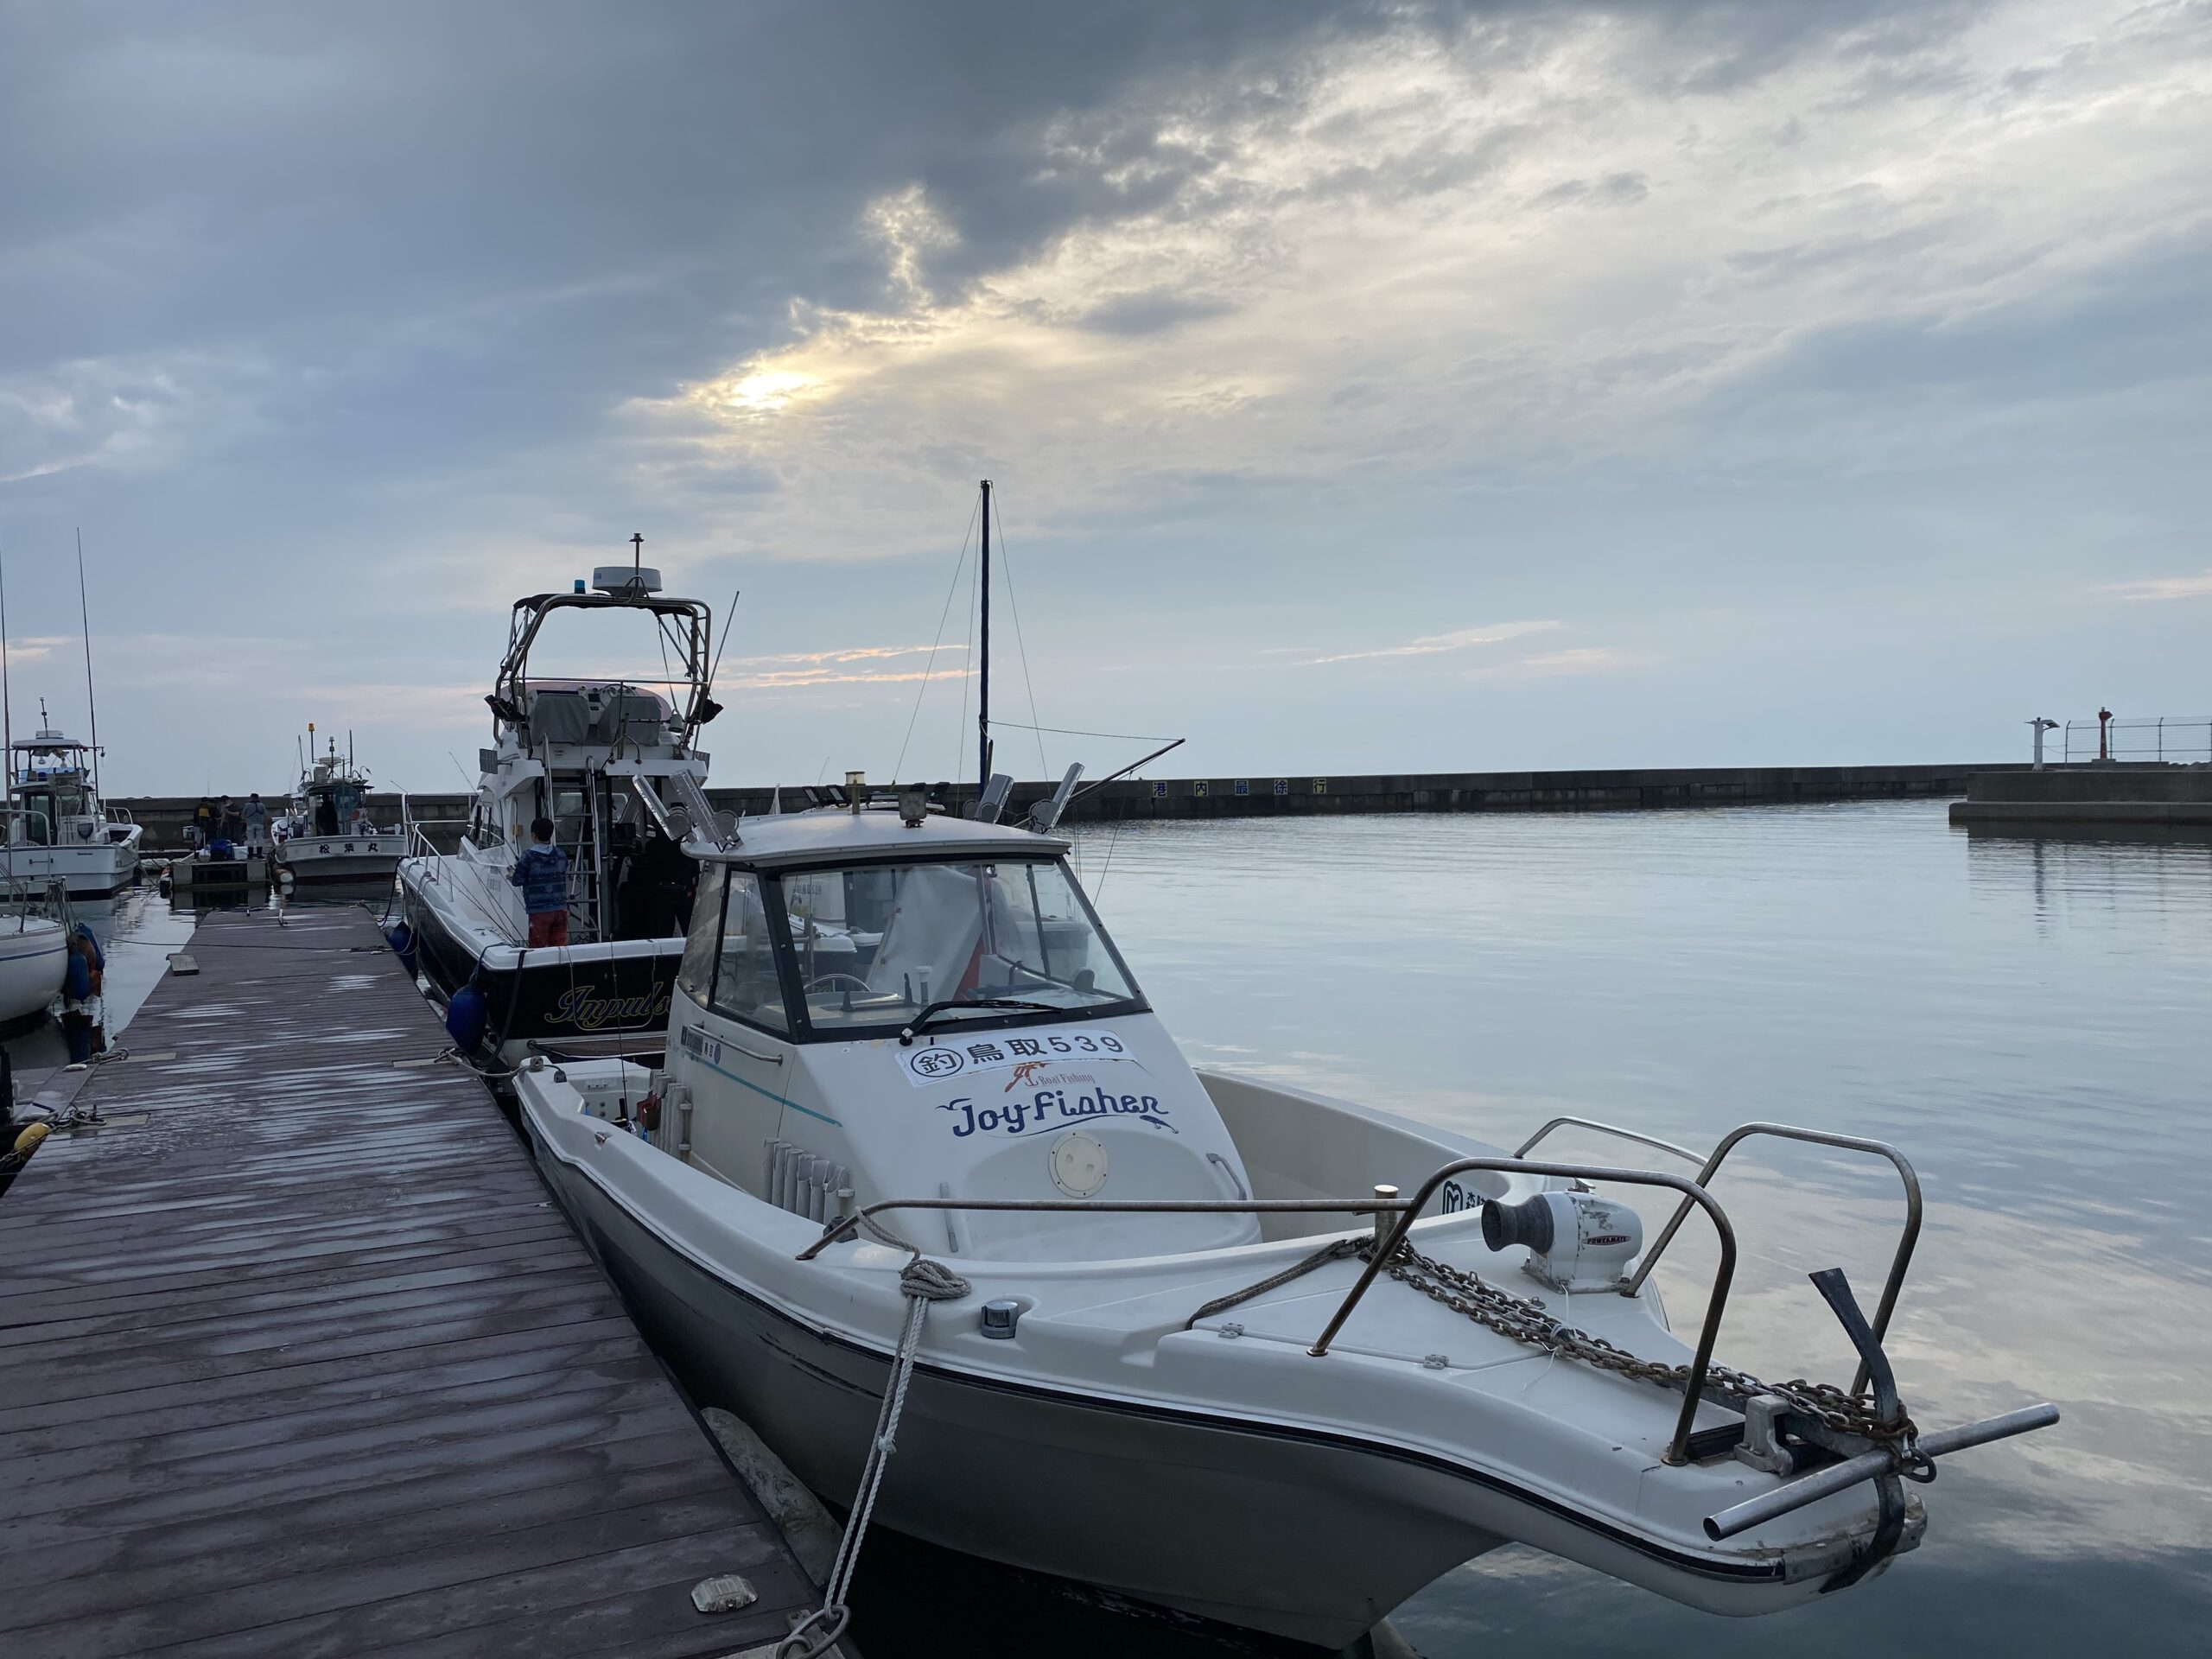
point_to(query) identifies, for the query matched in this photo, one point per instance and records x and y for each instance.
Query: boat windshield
(870, 945)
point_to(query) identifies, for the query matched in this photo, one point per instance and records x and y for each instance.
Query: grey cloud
(1614, 190)
(1151, 311)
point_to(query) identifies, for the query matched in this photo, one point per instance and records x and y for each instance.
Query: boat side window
(695, 976)
(746, 985)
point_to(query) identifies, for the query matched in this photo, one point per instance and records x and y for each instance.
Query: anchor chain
(1524, 1320)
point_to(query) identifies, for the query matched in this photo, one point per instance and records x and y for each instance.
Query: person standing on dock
(201, 831)
(257, 824)
(542, 872)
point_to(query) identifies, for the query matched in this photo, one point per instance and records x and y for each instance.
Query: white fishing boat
(61, 831)
(611, 761)
(58, 829)
(328, 834)
(1231, 1347)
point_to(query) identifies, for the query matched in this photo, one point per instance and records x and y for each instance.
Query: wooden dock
(298, 1358)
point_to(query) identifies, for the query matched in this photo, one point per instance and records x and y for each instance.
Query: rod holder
(1386, 1199)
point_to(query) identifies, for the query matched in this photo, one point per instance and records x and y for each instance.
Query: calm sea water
(2030, 1021)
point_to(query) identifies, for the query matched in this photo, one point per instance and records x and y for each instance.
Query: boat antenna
(91, 703)
(984, 683)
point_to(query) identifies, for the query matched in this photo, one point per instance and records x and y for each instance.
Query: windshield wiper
(906, 1037)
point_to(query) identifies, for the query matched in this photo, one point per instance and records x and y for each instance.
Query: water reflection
(2025, 1016)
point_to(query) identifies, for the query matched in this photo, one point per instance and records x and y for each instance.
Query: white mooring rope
(922, 1281)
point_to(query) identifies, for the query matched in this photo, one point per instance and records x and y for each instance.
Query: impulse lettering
(584, 1008)
(1050, 1109)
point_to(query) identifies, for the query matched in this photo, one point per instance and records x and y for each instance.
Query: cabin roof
(831, 833)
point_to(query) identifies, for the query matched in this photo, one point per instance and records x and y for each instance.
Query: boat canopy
(610, 713)
(686, 630)
(69, 756)
(832, 835)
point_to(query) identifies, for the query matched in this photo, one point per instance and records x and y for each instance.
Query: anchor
(1782, 1437)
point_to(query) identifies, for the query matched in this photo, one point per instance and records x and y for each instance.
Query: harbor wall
(2101, 792)
(1629, 789)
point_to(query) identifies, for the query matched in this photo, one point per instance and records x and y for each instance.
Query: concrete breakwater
(1266, 796)
(2099, 793)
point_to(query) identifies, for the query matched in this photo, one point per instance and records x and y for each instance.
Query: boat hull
(97, 869)
(33, 961)
(1313, 1535)
(592, 996)
(339, 858)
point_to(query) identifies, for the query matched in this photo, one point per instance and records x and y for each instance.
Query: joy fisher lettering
(1049, 1107)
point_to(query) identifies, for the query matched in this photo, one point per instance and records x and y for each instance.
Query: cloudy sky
(1368, 387)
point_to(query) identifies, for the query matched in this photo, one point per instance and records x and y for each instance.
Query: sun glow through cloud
(1412, 254)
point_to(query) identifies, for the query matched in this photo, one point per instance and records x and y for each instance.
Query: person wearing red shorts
(542, 872)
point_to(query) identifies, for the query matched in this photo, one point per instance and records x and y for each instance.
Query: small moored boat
(327, 834)
(34, 956)
(59, 829)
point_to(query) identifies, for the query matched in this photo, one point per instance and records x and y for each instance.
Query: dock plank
(299, 1358)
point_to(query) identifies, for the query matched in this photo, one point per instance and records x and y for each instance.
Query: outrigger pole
(91, 703)
(983, 691)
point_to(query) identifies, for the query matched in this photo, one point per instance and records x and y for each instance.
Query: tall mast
(7, 722)
(92, 705)
(983, 692)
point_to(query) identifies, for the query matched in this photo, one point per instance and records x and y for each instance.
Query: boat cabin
(56, 803)
(871, 1006)
(610, 760)
(330, 801)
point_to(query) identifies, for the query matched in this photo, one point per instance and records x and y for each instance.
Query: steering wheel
(826, 979)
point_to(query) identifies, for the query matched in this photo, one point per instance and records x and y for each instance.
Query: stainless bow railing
(1882, 1463)
(1406, 1211)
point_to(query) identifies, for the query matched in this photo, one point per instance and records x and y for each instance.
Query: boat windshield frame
(802, 1028)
